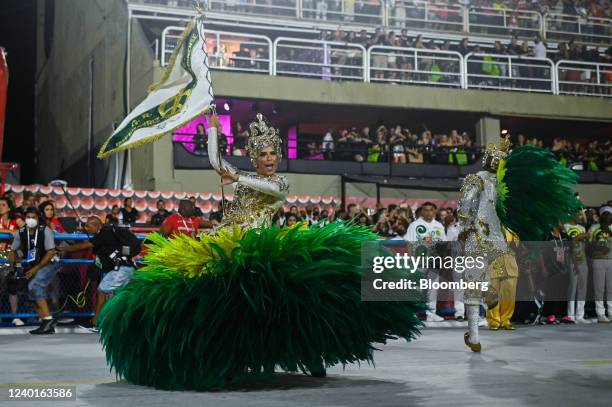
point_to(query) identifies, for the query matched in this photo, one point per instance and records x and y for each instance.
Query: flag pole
(214, 111)
(200, 14)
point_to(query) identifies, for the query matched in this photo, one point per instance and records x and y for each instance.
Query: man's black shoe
(47, 327)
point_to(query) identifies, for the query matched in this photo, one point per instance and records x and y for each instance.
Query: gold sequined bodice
(252, 207)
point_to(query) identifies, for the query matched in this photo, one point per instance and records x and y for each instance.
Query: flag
(183, 94)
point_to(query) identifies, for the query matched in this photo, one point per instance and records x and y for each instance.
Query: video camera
(16, 281)
(121, 257)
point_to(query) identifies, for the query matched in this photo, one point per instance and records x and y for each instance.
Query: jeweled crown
(261, 135)
(494, 154)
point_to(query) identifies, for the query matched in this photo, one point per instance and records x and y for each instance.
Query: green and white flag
(183, 94)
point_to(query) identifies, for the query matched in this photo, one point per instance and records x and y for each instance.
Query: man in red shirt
(184, 221)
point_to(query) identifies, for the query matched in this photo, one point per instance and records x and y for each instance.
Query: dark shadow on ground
(286, 389)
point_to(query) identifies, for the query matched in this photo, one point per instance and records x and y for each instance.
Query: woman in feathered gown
(249, 297)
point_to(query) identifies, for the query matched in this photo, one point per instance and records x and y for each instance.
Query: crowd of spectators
(400, 66)
(397, 66)
(513, 46)
(390, 222)
(400, 145)
(591, 155)
(554, 298)
(391, 144)
(347, 64)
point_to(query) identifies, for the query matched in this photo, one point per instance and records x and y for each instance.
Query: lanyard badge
(31, 254)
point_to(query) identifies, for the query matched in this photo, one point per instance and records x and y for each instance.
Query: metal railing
(330, 60)
(414, 15)
(226, 50)
(415, 66)
(506, 72)
(270, 8)
(588, 29)
(169, 3)
(492, 21)
(362, 13)
(583, 78)
(426, 15)
(319, 59)
(71, 291)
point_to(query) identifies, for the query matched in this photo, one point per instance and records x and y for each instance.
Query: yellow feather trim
(191, 257)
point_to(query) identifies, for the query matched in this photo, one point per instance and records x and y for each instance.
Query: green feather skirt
(245, 304)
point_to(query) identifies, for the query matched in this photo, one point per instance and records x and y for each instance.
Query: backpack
(127, 238)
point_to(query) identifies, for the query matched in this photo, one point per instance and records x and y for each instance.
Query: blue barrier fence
(71, 293)
(74, 290)
(64, 236)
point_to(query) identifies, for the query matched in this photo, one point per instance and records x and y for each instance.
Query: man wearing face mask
(35, 246)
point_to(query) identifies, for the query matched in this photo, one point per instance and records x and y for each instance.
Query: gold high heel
(475, 347)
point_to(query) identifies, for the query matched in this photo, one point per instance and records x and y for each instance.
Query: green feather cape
(535, 193)
(282, 298)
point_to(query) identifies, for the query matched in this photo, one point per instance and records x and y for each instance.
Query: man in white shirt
(328, 142)
(427, 232)
(539, 49)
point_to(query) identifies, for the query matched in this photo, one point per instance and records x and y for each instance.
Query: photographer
(35, 245)
(114, 248)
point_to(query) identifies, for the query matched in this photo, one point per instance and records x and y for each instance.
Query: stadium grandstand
(404, 89)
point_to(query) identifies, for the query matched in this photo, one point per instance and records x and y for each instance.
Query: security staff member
(601, 240)
(35, 245)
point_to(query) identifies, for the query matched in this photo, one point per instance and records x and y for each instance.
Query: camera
(120, 257)
(17, 282)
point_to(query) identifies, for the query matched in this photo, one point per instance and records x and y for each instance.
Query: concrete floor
(533, 366)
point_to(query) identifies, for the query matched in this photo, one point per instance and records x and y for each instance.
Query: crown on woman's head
(494, 154)
(261, 135)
